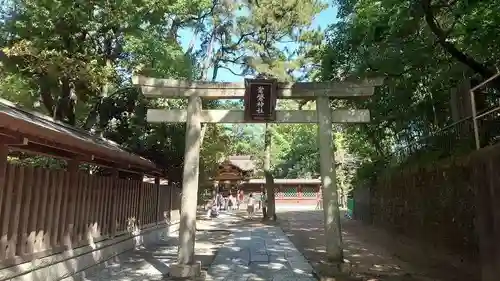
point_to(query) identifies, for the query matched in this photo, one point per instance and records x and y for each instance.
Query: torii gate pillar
(186, 265)
(333, 234)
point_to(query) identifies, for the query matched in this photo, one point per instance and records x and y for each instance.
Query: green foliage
(67, 48)
(15, 88)
(423, 48)
(156, 56)
(253, 36)
(37, 161)
(297, 156)
(73, 60)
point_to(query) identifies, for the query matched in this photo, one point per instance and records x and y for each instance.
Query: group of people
(254, 204)
(228, 203)
(231, 202)
(225, 203)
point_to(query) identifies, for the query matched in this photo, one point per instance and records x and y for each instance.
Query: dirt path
(374, 254)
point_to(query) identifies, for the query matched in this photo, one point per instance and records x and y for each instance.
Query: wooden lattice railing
(44, 211)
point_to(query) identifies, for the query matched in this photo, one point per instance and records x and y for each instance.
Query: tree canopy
(424, 49)
(73, 60)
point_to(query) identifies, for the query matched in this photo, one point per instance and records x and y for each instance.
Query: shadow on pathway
(152, 262)
(373, 253)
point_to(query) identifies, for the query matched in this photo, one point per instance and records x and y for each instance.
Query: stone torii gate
(194, 116)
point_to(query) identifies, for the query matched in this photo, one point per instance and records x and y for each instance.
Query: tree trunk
(271, 203)
(191, 43)
(204, 75)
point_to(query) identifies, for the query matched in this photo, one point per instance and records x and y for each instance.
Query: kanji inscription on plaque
(260, 99)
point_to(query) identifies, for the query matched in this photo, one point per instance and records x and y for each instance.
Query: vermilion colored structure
(237, 172)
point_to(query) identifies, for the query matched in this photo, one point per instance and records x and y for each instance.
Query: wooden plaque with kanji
(260, 99)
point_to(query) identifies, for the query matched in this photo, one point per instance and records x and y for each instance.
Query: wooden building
(232, 172)
(236, 172)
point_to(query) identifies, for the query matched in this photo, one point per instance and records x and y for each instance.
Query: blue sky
(322, 21)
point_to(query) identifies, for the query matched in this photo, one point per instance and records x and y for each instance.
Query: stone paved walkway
(153, 262)
(230, 248)
(259, 253)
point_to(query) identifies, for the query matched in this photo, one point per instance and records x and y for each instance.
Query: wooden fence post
(72, 186)
(114, 207)
(4, 152)
(140, 216)
(170, 193)
(157, 185)
(4, 192)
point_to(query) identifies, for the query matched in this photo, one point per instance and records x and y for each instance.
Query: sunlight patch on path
(260, 253)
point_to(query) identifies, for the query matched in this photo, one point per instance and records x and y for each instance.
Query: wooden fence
(44, 211)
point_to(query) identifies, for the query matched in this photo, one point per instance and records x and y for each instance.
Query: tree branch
(234, 61)
(449, 47)
(233, 46)
(230, 70)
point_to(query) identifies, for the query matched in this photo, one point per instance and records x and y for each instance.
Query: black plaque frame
(250, 100)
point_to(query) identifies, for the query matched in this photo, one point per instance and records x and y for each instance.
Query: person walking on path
(258, 199)
(220, 201)
(240, 198)
(319, 199)
(251, 206)
(264, 204)
(230, 202)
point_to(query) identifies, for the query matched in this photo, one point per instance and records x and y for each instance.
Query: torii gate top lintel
(171, 88)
